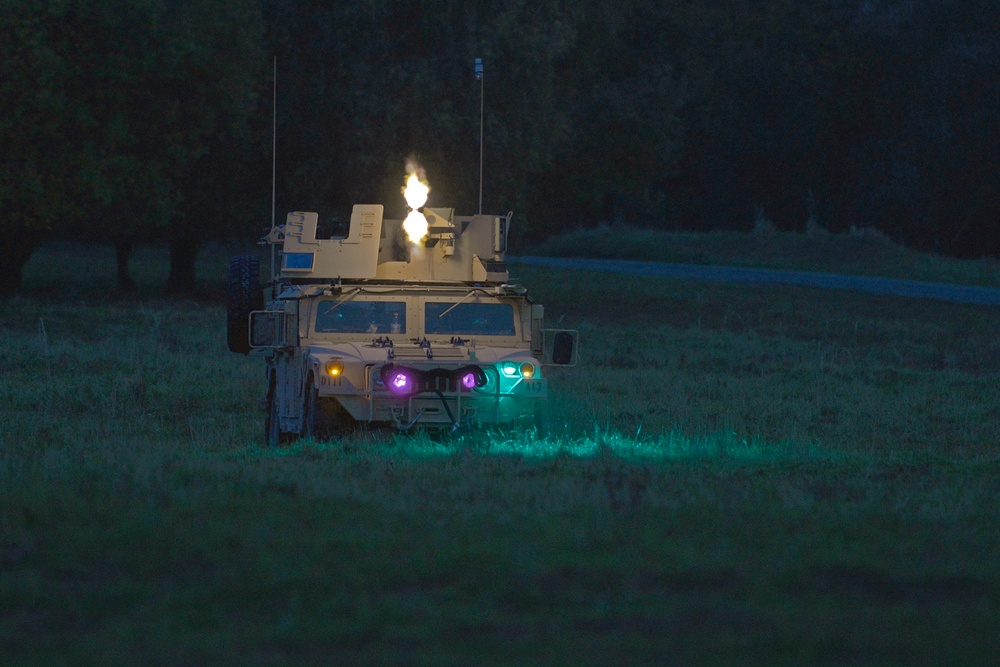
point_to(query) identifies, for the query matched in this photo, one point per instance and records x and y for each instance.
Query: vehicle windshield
(373, 317)
(470, 319)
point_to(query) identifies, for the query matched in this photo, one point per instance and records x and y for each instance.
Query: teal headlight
(492, 379)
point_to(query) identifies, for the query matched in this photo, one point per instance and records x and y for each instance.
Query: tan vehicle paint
(370, 327)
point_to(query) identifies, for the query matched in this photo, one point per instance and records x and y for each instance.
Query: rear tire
(243, 296)
(312, 426)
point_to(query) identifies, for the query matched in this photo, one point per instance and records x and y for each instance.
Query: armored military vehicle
(367, 327)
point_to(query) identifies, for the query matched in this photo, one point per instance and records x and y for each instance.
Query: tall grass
(734, 474)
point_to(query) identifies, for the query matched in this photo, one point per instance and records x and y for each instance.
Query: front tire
(324, 418)
(312, 426)
(539, 419)
(273, 435)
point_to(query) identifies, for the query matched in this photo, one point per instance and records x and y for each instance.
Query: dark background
(131, 121)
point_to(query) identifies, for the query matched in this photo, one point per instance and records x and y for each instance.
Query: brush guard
(409, 383)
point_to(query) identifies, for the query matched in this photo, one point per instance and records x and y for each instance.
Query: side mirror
(561, 347)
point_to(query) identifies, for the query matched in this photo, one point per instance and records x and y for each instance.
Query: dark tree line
(119, 120)
(139, 120)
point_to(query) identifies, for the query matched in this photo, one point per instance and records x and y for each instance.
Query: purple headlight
(399, 383)
(469, 380)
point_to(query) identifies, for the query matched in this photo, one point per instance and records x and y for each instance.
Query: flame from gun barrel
(415, 192)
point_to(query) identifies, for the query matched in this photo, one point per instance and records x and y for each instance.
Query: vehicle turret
(456, 248)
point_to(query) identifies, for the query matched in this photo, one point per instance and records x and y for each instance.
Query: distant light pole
(479, 78)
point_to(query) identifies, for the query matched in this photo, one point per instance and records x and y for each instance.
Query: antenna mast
(479, 77)
(274, 152)
(274, 134)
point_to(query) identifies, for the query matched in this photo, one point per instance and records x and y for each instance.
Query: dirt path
(908, 288)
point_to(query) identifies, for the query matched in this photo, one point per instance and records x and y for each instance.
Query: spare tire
(244, 295)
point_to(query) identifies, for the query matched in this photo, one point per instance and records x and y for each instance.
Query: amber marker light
(334, 367)
(527, 370)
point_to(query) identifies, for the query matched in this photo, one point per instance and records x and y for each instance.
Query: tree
(36, 115)
(215, 65)
(697, 113)
(758, 77)
(920, 150)
(135, 93)
(362, 85)
(622, 132)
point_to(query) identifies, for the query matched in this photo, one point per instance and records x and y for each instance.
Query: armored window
(368, 317)
(469, 319)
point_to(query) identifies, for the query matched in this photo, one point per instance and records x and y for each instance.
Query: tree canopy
(110, 107)
(141, 119)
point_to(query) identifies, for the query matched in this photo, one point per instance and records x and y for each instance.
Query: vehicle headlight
(490, 380)
(399, 380)
(471, 377)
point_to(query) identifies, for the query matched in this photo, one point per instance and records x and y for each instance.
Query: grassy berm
(734, 475)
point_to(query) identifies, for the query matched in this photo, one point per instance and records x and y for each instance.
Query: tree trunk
(183, 253)
(123, 248)
(13, 257)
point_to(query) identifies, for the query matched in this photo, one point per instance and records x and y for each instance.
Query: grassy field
(735, 474)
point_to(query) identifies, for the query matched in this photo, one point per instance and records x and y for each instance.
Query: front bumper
(438, 397)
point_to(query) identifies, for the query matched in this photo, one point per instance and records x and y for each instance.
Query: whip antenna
(479, 78)
(274, 150)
